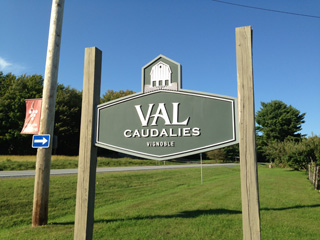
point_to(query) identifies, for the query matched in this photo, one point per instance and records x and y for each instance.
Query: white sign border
(232, 141)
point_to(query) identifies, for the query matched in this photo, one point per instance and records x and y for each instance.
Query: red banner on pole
(33, 113)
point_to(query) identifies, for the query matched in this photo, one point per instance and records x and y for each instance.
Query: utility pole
(43, 164)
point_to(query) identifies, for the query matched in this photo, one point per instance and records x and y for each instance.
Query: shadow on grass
(184, 214)
(190, 214)
(288, 208)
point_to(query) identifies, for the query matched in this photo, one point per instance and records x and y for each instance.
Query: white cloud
(4, 65)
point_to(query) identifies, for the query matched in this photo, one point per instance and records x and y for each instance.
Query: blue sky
(199, 34)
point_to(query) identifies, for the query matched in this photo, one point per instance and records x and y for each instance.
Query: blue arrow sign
(42, 141)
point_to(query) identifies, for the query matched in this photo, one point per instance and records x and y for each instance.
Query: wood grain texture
(248, 160)
(84, 216)
(43, 163)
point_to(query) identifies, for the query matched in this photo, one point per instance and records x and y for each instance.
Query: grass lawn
(169, 204)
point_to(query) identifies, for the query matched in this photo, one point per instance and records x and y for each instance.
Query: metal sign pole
(201, 168)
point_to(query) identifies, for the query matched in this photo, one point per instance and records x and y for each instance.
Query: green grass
(169, 204)
(15, 162)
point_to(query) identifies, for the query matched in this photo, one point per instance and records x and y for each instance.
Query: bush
(293, 154)
(217, 154)
(227, 154)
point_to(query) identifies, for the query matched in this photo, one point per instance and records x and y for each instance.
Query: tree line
(13, 92)
(278, 125)
(278, 138)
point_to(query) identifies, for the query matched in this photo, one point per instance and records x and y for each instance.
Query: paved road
(31, 173)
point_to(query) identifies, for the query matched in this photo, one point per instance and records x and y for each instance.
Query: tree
(226, 154)
(296, 155)
(13, 92)
(67, 120)
(217, 155)
(314, 143)
(278, 121)
(112, 95)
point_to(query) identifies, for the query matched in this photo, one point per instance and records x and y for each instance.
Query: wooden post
(248, 161)
(42, 176)
(314, 169)
(316, 182)
(309, 171)
(84, 216)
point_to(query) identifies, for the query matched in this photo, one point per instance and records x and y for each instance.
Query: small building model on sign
(160, 76)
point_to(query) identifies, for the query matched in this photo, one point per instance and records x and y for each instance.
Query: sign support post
(84, 216)
(247, 141)
(42, 177)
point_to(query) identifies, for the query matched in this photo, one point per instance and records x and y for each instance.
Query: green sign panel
(165, 122)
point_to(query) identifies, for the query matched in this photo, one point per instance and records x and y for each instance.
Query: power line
(265, 9)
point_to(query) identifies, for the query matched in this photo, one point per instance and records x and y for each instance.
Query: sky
(198, 34)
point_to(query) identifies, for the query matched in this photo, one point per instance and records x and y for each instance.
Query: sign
(42, 141)
(164, 121)
(32, 120)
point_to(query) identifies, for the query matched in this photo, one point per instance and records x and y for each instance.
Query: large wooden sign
(164, 121)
